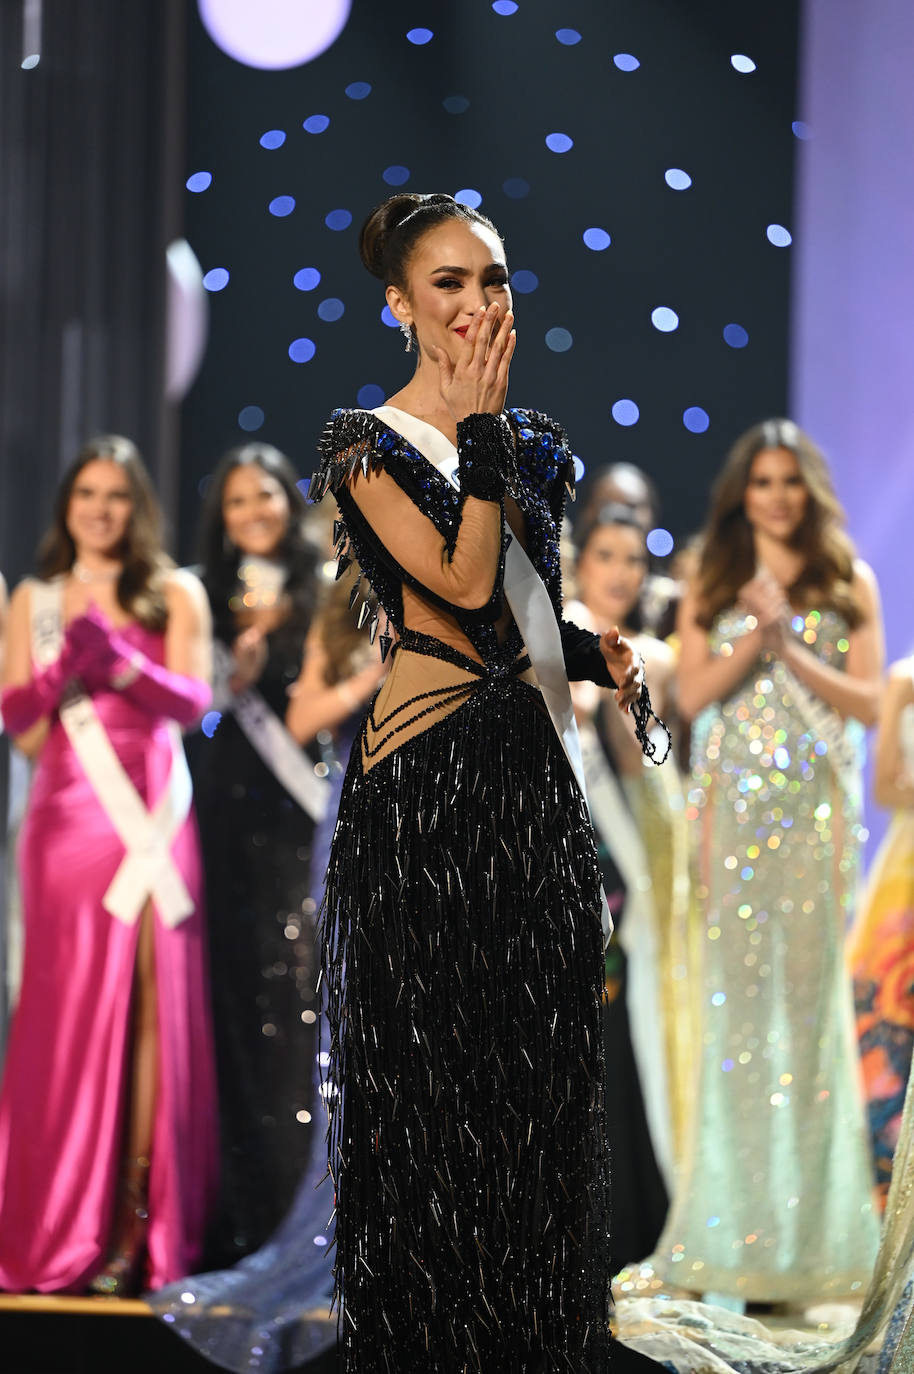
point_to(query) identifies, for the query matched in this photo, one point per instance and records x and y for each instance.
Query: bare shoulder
(901, 680)
(20, 599)
(185, 595)
(865, 580)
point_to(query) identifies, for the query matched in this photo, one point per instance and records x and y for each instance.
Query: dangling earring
(407, 331)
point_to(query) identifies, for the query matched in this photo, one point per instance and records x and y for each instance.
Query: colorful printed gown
(881, 957)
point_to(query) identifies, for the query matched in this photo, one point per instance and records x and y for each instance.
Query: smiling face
(455, 268)
(776, 495)
(99, 509)
(255, 510)
(611, 570)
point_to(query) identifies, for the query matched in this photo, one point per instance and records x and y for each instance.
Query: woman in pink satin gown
(107, 1103)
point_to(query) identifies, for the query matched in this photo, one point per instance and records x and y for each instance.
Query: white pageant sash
(269, 737)
(524, 589)
(148, 868)
(823, 720)
(527, 597)
(639, 937)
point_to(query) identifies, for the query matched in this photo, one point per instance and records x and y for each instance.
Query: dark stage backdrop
(679, 161)
(90, 194)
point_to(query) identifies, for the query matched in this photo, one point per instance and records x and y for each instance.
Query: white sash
(639, 937)
(524, 590)
(282, 754)
(147, 868)
(822, 720)
(526, 595)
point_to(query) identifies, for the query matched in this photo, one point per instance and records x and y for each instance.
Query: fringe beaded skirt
(463, 972)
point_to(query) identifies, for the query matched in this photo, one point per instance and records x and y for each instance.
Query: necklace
(84, 574)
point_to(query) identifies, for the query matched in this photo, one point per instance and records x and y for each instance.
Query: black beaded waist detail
(504, 663)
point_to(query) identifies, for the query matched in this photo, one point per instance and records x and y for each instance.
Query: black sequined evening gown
(264, 965)
(462, 937)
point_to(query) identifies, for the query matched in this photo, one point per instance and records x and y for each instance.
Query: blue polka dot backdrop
(637, 160)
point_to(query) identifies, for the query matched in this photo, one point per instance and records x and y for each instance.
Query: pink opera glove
(21, 707)
(104, 658)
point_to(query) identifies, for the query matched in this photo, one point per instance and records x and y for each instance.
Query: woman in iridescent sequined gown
(780, 668)
(463, 935)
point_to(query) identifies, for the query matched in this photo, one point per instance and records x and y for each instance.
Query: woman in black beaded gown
(463, 946)
(258, 798)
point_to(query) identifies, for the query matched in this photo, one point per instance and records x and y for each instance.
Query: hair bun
(392, 230)
(379, 226)
(383, 223)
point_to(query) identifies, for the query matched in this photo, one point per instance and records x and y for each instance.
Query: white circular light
(664, 319)
(274, 34)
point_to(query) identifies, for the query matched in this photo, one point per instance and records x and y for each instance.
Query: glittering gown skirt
(463, 970)
(774, 1196)
(66, 1075)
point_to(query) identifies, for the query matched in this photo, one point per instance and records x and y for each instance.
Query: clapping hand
(764, 599)
(92, 647)
(250, 654)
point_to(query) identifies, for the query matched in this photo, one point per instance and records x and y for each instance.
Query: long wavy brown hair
(728, 557)
(140, 588)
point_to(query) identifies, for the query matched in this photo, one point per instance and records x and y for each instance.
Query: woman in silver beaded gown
(462, 923)
(780, 669)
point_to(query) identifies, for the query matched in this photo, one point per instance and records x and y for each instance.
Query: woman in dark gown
(260, 572)
(463, 945)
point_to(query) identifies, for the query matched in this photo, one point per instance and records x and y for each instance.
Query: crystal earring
(407, 331)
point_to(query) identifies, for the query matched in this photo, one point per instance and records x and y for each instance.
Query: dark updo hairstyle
(220, 557)
(140, 587)
(614, 514)
(392, 230)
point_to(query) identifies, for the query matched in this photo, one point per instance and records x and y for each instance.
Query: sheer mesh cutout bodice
(427, 682)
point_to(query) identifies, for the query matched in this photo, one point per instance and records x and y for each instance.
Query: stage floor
(41, 1334)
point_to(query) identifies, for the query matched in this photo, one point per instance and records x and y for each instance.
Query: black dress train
(463, 952)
